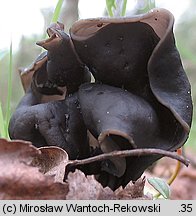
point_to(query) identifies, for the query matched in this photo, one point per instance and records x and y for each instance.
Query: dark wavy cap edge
(35, 77)
(86, 28)
(27, 73)
(168, 80)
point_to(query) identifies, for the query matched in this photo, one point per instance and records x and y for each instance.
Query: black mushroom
(141, 97)
(138, 55)
(63, 65)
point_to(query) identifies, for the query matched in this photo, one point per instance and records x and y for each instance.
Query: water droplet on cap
(121, 38)
(66, 116)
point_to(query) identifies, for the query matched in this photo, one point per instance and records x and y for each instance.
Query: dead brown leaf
(19, 180)
(31, 173)
(83, 187)
(86, 188)
(133, 191)
(52, 162)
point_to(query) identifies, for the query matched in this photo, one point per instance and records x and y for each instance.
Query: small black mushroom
(63, 65)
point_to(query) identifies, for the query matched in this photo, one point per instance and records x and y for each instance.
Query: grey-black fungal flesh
(109, 110)
(139, 55)
(119, 120)
(129, 121)
(56, 123)
(141, 98)
(145, 45)
(118, 53)
(63, 65)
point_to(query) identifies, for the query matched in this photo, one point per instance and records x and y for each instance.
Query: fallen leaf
(31, 173)
(83, 187)
(86, 188)
(133, 190)
(19, 180)
(52, 162)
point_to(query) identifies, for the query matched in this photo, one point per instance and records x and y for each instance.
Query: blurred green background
(25, 50)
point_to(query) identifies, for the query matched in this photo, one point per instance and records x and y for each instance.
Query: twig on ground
(126, 153)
